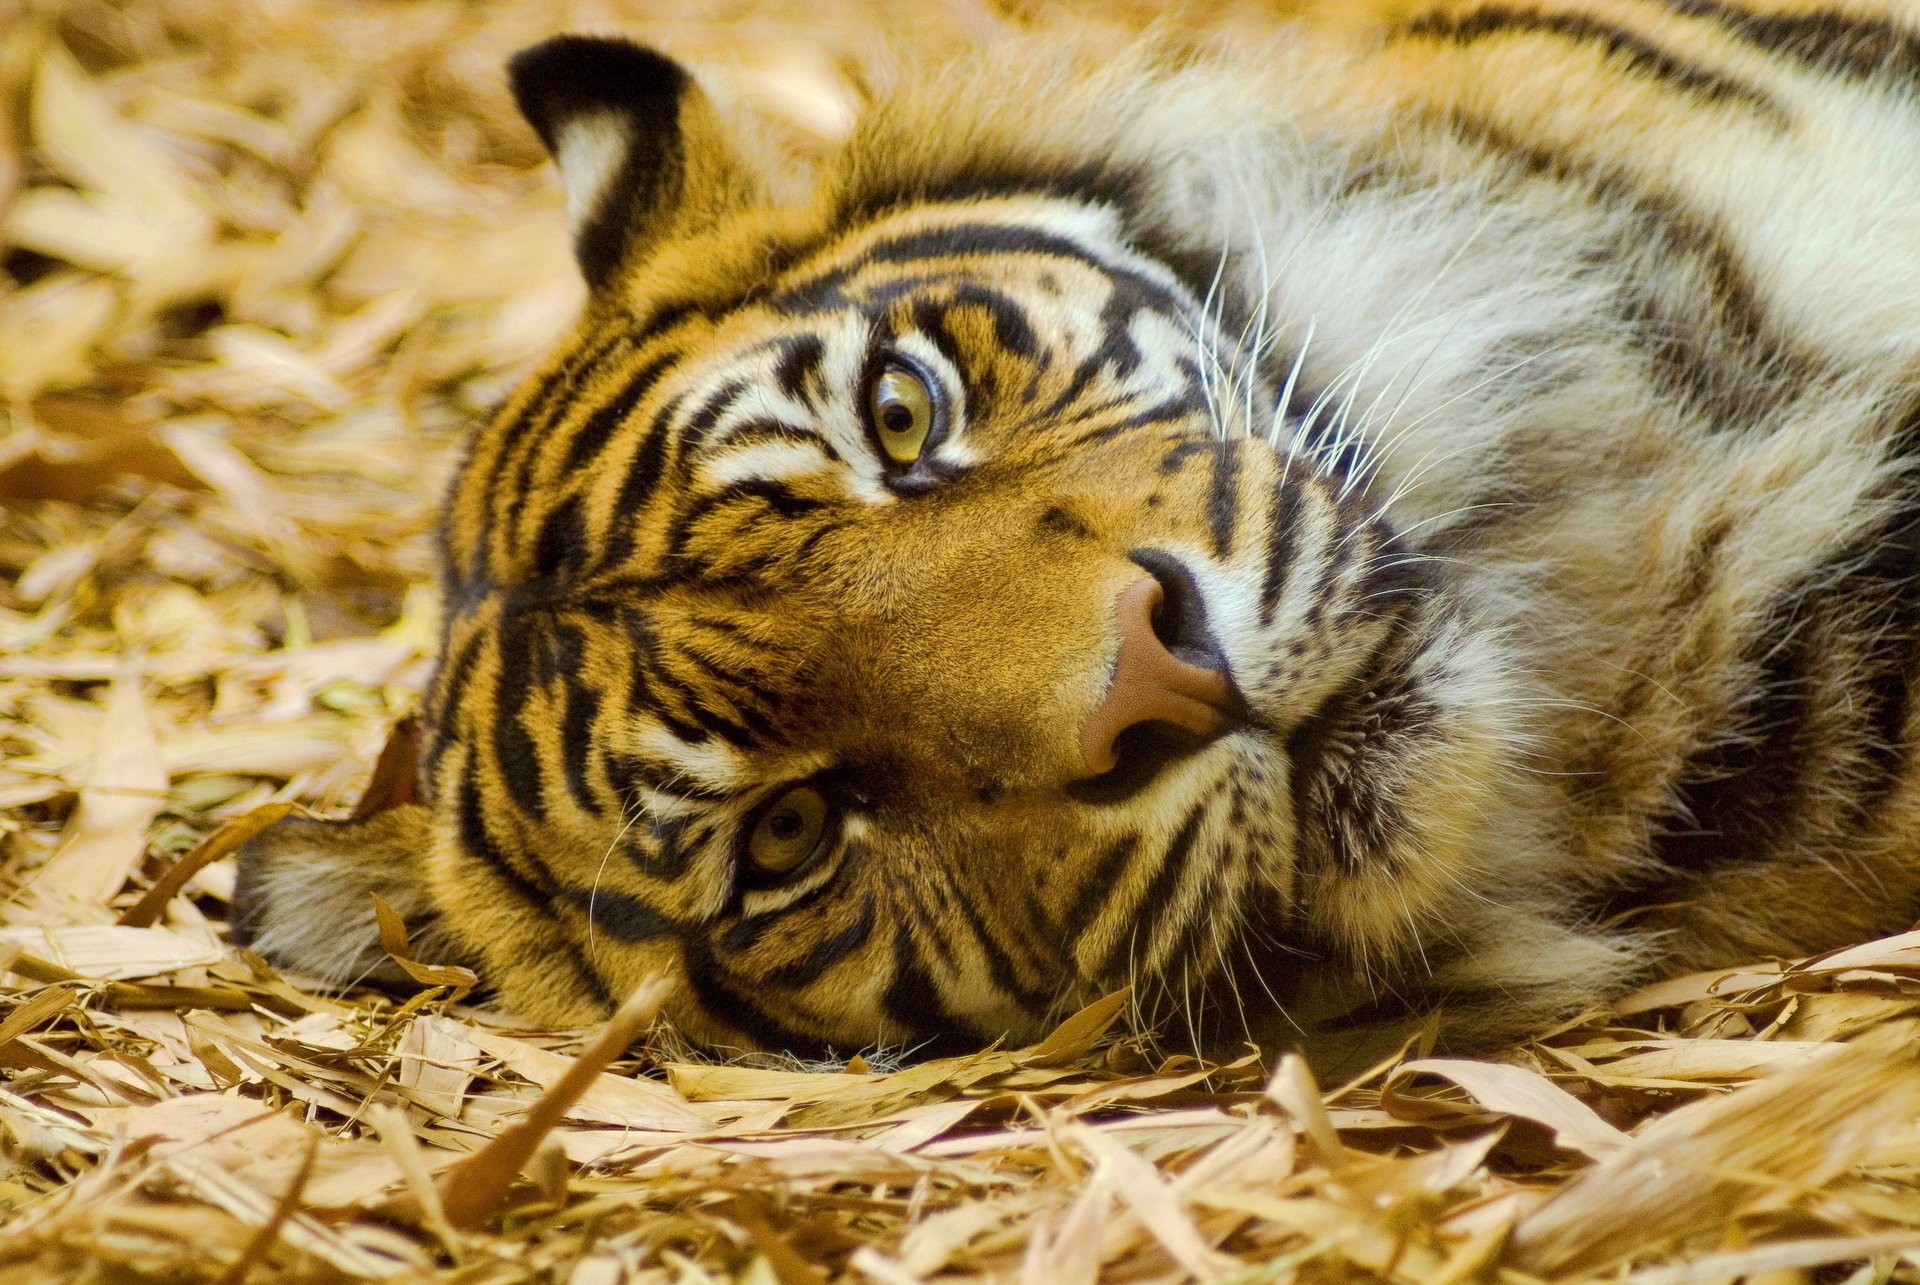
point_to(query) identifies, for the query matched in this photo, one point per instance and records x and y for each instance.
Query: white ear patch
(589, 152)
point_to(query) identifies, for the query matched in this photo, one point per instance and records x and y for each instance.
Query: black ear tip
(566, 75)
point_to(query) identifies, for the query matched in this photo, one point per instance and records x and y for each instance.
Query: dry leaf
(123, 788)
(108, 952)
(1518, 1092)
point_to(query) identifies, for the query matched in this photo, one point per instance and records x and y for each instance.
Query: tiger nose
(1150, 684)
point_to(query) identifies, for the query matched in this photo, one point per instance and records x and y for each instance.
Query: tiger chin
(1299, 531)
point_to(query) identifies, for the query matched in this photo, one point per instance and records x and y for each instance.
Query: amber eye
(901, 407)
(790, 832)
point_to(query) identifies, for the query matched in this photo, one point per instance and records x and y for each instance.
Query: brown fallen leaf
(393, 940)
(392, 783)
(1513, 1091)
(472, 1189)
(122, 789)
(1693, 1169)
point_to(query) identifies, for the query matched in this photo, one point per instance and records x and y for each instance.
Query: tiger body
(1521, 404)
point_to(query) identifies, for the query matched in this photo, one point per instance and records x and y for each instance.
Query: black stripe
(528, 882)
(622, 916)
(926, 925)
(1177, 454)
(701, 422)
(1186, 946)
(648, 682)
(642, 479)
(1720, 355)
(669, 778)
(825, 292)
(1099, 885)
(716, 723)
(531, 886)
(1635, 50)
(598, 428)
(1223, 497)
(660, 852)
(515, 752)
(506, 435)
(747, 931)
(1162, 414)
(799, 364)
(511, 476)
(771, 492)
(745, 691)
(1131, 296)
(1846, 44)
(444, 695)
(1011, 329)
(930, 320)
(581, 709)
(957, 239)
(807, 969)
(1117, 350)
(752, 432)
(998, 954)
(1283, 543)
(577, 742)
(1833, 665)
(980, 176)
(912, 999)
(1153, 904)
(716, 993)
(560, 551)
(1102, 183)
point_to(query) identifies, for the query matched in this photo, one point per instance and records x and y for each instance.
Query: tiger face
(898, 615)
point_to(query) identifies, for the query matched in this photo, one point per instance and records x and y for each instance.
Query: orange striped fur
(1522, 402)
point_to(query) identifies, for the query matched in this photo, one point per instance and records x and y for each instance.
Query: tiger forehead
(1028, 227)
(970, 279)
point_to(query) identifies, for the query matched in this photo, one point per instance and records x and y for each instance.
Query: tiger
(1406, 519)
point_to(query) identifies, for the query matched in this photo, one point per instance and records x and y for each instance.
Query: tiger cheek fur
(1508, 544)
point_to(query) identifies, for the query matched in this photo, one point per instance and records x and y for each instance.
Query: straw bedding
(263, 263)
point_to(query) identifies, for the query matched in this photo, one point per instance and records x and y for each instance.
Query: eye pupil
(901, 409)
(790, 833)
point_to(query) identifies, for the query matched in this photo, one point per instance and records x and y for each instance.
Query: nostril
(1165, 621)
(1140, 754)
(1179, 619)
(1170, 691)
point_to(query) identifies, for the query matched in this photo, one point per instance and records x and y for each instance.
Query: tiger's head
(905, 609)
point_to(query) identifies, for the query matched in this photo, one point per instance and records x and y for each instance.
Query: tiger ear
(304, 898)
(639, 148)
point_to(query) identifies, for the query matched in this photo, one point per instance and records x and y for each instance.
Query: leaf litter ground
(263, 265)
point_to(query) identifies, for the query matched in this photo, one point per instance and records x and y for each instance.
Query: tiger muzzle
(1166, 671)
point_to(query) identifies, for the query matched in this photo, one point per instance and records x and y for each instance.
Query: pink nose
(1150, 684)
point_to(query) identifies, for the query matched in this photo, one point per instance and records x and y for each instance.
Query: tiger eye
(901, 407)
(790, 832)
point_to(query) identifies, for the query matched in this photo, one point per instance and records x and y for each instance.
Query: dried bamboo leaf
(472, 1189)
(1518, 1092)
(123, 788)
(223, 842)
(1694, 1168)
